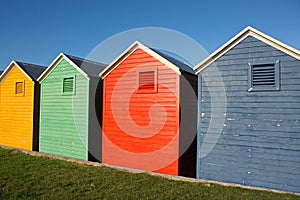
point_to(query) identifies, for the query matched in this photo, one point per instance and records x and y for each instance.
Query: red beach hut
(149, 112)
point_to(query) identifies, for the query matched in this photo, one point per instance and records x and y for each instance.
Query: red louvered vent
(147, 81)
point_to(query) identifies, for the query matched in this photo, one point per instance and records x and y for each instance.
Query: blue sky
(36, 31)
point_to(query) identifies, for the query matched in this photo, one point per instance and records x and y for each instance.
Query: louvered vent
(147, 80)
(263, 75)
(68, 85)
(19, 88)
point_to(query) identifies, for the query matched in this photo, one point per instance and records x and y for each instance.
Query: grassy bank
(24, 176)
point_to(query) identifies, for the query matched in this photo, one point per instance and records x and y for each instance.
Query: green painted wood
(64, 117)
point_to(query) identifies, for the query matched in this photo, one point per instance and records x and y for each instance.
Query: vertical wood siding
(64, 118)
(115, 138)
(16, 122)
(259, 144)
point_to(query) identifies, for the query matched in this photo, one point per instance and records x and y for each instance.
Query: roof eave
(248, 31)
(119, 59)
(129, 51)
(8, 69)
(55, 63)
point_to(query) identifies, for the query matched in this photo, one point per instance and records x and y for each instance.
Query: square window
(68, 85)
(147, 81)
(19, 88)
(264, 77)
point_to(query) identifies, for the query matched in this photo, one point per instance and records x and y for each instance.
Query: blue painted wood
(259, 144)
(199, 138)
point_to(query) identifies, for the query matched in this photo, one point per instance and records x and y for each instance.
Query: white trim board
(129, 51)
(10, 67)
(53, 65)
(248, 31)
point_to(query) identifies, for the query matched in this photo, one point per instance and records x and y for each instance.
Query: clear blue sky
(36, 31)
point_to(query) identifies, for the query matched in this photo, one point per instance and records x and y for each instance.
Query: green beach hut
(70, 121)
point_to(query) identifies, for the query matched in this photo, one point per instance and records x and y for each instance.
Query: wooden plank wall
(259, 144)
(16, 124)
(64, 118)
(119, 147)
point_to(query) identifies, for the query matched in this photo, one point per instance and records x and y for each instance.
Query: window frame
(74, 86)
(147, 69)
(23, 88)
(262, 88)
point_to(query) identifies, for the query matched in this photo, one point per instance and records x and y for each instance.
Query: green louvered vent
(68, 85)
(263, 75)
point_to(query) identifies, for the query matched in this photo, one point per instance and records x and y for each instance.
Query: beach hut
(149, 115)
(19, 105)
(249, 111)
(69, 118)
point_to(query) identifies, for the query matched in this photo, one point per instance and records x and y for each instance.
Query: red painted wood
(121, 146)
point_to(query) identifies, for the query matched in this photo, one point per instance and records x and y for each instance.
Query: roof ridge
(84, 59)
(29, 64)
(89, 67)
(180, 64)
(246, 32)
(167, 55)
(32, 70)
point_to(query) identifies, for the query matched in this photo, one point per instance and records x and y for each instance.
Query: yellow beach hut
(19, 105)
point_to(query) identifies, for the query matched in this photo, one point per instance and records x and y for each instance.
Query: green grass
(24, 176)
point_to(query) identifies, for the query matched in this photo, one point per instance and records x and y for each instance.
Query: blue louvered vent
(263, 75)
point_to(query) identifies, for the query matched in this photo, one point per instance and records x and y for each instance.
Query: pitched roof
(86, 67)
(169, 61)
(91, 68)
(181, 65)
(1, 72)
(34, 71)
(248, 31)
(30, 70)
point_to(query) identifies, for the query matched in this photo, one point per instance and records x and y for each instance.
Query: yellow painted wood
(16, 111)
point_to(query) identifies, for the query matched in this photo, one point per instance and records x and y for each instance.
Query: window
(19, 88)
(68, 85)
(264, 77)
(147, 81)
